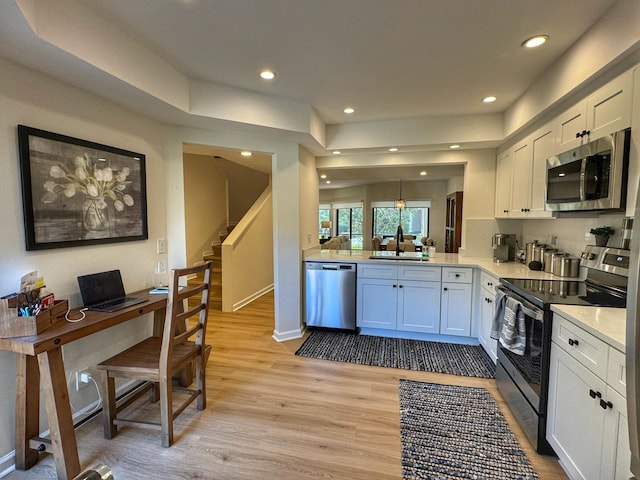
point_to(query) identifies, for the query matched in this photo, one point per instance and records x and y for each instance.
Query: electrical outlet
(82, 379)
(161, 245)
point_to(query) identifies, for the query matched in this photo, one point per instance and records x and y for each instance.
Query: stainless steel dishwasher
(330, 295)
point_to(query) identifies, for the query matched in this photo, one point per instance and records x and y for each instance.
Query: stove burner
(567, 292)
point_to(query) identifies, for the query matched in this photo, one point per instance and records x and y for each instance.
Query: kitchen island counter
(500, 270)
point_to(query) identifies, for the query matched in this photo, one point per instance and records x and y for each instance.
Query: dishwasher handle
(342, 267)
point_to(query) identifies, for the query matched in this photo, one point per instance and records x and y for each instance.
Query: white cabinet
(586, 424)
(486, 294)
(455, 310)
(414, 298)
(376, 303)
(398, 298)
(419, 306)
(521, 177)
(504, 171)
(605, 111)
(543, 145)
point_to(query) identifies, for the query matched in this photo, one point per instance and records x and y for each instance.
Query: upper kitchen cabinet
(605, 111)
(504, 171)
(521, 177)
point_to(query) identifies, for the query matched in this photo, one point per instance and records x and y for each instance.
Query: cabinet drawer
(431, 274)
(616, 372)
(457, 275)
(584, 347)
(368, 270)
(488, 282)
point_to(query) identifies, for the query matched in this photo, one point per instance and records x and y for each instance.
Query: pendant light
(400, 203)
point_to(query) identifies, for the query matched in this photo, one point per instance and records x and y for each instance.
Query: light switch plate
(161, 245)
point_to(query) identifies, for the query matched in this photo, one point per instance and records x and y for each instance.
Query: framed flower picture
(77, 192)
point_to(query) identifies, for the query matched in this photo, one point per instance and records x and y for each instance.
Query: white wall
(205, 192)
(36, 100)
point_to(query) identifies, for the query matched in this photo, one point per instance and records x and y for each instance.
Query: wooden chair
(157, 359)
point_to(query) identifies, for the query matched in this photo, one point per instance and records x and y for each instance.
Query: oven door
(528, 370)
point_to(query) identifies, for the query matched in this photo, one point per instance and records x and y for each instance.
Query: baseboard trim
(252, 297)
(285, 336)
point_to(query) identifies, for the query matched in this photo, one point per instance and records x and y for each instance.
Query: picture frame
(76, 192)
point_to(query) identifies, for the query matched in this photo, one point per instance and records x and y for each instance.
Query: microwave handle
(583, 170)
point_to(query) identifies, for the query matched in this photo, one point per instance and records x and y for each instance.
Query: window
(349, 222)
(415, 218)
(324, 215)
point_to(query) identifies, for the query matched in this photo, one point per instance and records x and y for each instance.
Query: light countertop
(607, 324)
(504, 270)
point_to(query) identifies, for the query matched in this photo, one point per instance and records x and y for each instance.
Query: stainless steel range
(523, 380)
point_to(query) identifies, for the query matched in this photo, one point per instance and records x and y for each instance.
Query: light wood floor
(272, 415)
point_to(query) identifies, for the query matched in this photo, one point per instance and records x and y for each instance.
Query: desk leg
(27, 410)
(56, 396)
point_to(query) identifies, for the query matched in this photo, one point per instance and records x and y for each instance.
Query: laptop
(104, 292)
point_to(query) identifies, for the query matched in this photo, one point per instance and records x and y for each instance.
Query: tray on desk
(11, 325)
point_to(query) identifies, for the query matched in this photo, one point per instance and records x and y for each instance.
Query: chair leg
(154, 393)
(166, 411)
(108, 404)
(201, 401)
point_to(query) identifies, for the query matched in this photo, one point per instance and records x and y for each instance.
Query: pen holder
(11, 325)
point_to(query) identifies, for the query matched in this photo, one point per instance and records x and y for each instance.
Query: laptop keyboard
(112, 303)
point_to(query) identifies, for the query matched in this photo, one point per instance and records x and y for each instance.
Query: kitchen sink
(411, 257)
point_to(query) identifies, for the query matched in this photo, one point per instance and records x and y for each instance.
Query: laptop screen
(101, 287)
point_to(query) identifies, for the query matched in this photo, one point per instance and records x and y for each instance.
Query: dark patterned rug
(453, 432)
(464, 360)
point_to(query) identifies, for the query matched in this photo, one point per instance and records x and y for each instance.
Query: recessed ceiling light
(267, 75)
(323, 176)
(393, 149)
(328, 182)
(536, 41)
(489, 99)
(423, 173)
(336, 152)
(453, 147)
(246, 153)
(349, 110)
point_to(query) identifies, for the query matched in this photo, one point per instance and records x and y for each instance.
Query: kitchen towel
(498, 314)
(513, 335)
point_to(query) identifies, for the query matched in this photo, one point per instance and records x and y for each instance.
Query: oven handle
(530, 310)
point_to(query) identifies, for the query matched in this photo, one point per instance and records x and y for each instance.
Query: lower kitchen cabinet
(486, 307)
(413, 299)
(455, 310)
(586, 424)
(376, 303)
(393, 300)
(419, 307)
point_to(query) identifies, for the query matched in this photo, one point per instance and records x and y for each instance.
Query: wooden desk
(39, 360)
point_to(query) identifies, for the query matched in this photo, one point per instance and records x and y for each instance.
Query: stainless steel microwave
(592, 176)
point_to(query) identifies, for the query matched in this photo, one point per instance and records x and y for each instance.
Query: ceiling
(389, 59)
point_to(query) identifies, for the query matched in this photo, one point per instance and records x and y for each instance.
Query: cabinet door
(419, 306)
(486, 319)
(503, 184)
(570, 123)
(542, 144)
(376, 306)
(575, 422)
(609, 108)
(455, 311)
(521, 182)
(616, 454)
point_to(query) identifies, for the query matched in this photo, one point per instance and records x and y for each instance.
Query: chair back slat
(176, 317)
